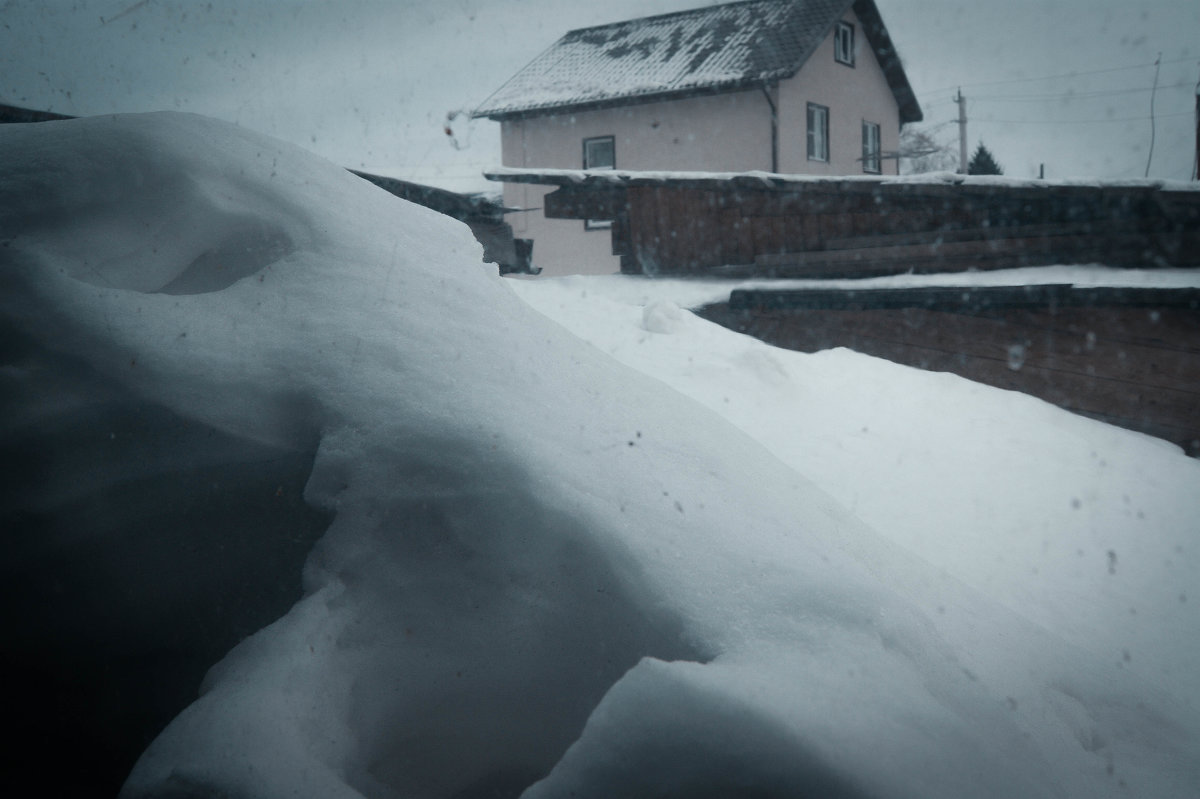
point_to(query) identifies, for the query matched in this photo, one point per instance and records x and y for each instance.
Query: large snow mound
(545, 572)
(1085, 528)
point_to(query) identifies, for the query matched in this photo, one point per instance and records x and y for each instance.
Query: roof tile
(711, 48)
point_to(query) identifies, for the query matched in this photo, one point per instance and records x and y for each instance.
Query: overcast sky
(368, 83)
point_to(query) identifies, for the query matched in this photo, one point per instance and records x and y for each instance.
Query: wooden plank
(943, 235)
(571, 202)
(663, 230)
(1176, 329)
(1151, 388)
(643, 222)
(1058, 245)
(620, 239)
(811, 228)
(863, 264)
(740, 244)
(706, 231)
(1034, 298)
(868, 228)
(1115, 397)
(1042, 346)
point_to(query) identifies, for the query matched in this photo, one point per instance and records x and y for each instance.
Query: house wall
(852, 95)
(716, 133)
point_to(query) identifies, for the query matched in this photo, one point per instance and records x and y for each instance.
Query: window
(599, 153)
(818, 132)
(871, 150)
(843, 44)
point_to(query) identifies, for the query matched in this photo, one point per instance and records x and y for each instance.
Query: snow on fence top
(769, 180)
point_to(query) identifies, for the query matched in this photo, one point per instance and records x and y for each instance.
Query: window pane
(843, 43)
(818, 132)
(871, 148)
(600, 153)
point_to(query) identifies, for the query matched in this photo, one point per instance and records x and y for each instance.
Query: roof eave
(705, 90)
(889, 60)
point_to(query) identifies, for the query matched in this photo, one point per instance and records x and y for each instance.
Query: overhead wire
(1077, 73)
(1073, 95)
(1100, 120)
(1067, 97)
(1153, 127)
(1062, 97)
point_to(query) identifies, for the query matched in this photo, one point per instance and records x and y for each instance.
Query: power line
(1073, 95)
(1141, 118)
(1153, 93)
(1069, 95)
(1063, 75)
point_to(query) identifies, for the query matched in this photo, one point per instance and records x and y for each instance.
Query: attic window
(600, 153)
(843, 44)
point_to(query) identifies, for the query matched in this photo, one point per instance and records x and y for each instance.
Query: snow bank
(1085, 528)
(545, 572)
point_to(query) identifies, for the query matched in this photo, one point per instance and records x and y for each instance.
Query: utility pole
(962, 132)
(1153, 91)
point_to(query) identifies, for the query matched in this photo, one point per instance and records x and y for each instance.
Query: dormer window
(843, 44)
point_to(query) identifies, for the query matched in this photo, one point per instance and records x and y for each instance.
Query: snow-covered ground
(727, 570)
(1085, 528)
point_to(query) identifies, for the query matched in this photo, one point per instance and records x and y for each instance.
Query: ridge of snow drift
(545, 572)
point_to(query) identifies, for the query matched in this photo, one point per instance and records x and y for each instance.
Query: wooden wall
(1128, 358)
(745, 226)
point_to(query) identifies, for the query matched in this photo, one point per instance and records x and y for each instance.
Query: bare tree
(920, 152)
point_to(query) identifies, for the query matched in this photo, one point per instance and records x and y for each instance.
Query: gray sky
(367, 83)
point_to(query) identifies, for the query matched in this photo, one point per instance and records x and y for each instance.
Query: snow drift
(543, 572)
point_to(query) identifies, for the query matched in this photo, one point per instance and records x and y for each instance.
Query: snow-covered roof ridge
(710, 49)
(630, 177)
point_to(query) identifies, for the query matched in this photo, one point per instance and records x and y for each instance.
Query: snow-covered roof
(711, 49)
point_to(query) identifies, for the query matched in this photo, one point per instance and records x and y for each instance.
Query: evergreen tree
(982, 163)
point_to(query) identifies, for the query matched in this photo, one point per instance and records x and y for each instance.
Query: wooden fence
(775, 226)
(1129, 357)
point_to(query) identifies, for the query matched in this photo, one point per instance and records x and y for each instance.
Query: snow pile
(1087, 529)
(545, 572)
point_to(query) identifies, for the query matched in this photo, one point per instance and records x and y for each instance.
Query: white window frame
(872, 154)
(818, 132)
(588, 163)
(843, 43)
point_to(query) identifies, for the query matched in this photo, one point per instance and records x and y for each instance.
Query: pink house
(791, 86)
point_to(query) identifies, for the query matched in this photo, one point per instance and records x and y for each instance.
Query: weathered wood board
(1128, 357)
